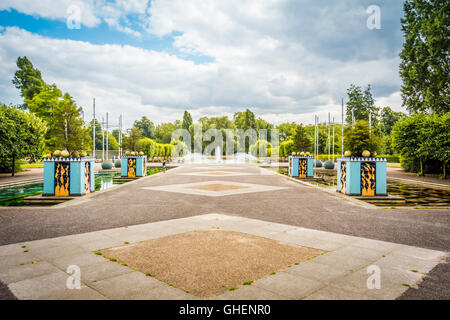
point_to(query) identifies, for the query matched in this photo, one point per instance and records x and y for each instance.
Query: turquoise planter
(301, 166)
(65, 177)
(134, 166)
(362, 176)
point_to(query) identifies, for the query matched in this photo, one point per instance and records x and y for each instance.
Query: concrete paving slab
(289, 285)
(382, 246)
(420, 253)
(84, 293)
(401, 262)
(10, 249)
(166, 292)
(333, 293)
(119, 287)
(316, 271)
(102, 270)
(357, 283)
(38, 287)
(251, 293)
(348, 261)
(15, 260)
(52, 253)
(360, 253)
(27, 271)
(80, 260)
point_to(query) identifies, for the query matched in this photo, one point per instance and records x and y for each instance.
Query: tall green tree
(245, 120)
(424, 66)
(146, 127)
(187, 120)
(66, 128)
(388, 118)
(21, 135)
(302, 142)
(130, 141)
(359, 138)
(361, 103)
(27, 78)
(163, 132)
(421, 139)
(286, 130)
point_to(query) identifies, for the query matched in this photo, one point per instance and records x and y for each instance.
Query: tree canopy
(21, 135)
(424, 66)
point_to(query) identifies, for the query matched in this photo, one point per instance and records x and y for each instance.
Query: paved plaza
(408, 246)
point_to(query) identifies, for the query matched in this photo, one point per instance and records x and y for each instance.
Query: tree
(21, 135)
(146, 127)
(361, 104)
(286, 130)
(163, 132)
(130, 141)
(43, 103)
(27, 79)
(187, 120)
(302, 142)
(388, 118)
(244, 120)
(358, 138)
(422, 139)
(66, 128)
(424, 66)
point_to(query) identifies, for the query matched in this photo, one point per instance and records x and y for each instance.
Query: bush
(358, 138)
(118, 163)
(107, 165)
(329, 165)
(6, 165)
(318, 164)
(390, 158)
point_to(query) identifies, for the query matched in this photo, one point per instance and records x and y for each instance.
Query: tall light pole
(333, 139)
(342, 140)
(329, 142)
(103, 139)
(107, 134)
(93, 133)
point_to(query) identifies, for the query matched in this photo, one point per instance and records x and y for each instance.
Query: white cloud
(92, 12)
(263, 59)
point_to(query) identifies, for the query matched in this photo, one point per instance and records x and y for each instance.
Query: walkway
(237, 190)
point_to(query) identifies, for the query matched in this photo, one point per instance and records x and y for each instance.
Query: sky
(285, 60)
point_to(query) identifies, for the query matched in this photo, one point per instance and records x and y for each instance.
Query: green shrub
(6, 165)
(390, 158)
(107, 165)
(328, 165)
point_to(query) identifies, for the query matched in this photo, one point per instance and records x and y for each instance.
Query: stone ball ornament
(348, 153)
(329, 165)
(57, 153)
(65, 153)
(366, 153)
